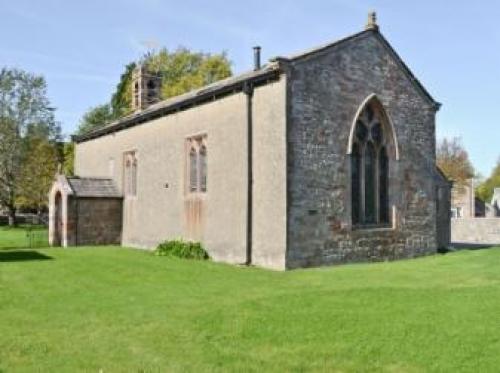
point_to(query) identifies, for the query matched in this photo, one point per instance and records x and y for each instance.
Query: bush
(182, 249)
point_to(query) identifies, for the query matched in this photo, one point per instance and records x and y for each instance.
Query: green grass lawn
(17, 237)
(122, 310)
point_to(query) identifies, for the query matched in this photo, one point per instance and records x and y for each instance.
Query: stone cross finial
(372, 21)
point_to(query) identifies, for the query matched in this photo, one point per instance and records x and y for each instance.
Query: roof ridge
(370, 31)
(200, 94)
(319, 48)
(232, 84)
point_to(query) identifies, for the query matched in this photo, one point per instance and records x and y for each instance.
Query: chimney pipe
(256, 58)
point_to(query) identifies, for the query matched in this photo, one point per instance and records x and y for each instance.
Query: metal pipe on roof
(256, 57)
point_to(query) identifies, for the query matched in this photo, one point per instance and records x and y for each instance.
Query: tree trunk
(12, 217)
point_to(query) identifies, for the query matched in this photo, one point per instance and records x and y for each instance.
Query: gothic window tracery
(370, 169)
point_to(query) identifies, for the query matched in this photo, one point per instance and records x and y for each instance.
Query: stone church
(323, 157)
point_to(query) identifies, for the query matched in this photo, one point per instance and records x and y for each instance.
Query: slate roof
(207, 93)
(267, 73)
(302, 55)
(93, 187)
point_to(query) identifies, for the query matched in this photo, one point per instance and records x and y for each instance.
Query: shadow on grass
(22, 256)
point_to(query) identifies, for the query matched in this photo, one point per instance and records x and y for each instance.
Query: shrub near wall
(182, 249)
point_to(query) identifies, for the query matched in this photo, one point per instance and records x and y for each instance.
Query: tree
(485, 189)
(181, 71)
(121, 101)
(94, 118)
(37, 173)
(453, 160)
(25, 113)
(68, 156)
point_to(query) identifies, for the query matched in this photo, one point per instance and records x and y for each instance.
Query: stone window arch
(372, 147)
(197, 164)
(130, 174)
(203, 167)
(193, 169)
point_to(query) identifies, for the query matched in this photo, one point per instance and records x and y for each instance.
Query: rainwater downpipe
(248, 89)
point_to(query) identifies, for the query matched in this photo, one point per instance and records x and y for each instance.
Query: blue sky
(82, 46)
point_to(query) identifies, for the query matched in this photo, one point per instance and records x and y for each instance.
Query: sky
(81, 47)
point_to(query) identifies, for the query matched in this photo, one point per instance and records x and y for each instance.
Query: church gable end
(371, 39)
(328, 89)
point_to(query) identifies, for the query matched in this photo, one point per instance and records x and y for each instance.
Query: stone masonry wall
(326, 89)
(475, 230)
(443, 213)
(99, 221)
(462, 197)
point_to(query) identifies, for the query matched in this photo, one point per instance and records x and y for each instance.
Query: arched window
(126, 176)
(193, 170)
(130, 174)
(203, 168)
(136, 94)
(356, 184)
(134, 176)
(370, 184)
(384, 186)
(370, 169)
(151, 84)
(197, 167)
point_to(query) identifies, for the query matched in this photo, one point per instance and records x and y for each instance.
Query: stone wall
(326, 89)
(443, 212)
(462, 200)
(96, 221)
(475, 230)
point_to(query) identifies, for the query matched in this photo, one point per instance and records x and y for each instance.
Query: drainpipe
(248, 90)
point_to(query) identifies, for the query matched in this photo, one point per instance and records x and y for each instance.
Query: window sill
(196, 195)
(373, 228)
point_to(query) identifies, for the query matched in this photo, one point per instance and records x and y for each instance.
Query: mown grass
(122, 310)
(16, 237)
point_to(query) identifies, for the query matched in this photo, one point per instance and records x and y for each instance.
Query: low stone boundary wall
(475, 230)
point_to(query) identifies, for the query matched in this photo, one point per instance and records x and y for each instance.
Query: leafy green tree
(95, 118)
(121, 101)
(181, 71)
(68, 156)
(453, 160)
(37, 174)
(25, 114)
(484, 191)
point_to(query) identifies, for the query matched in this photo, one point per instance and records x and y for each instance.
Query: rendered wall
(163, 210)
(269, 173)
